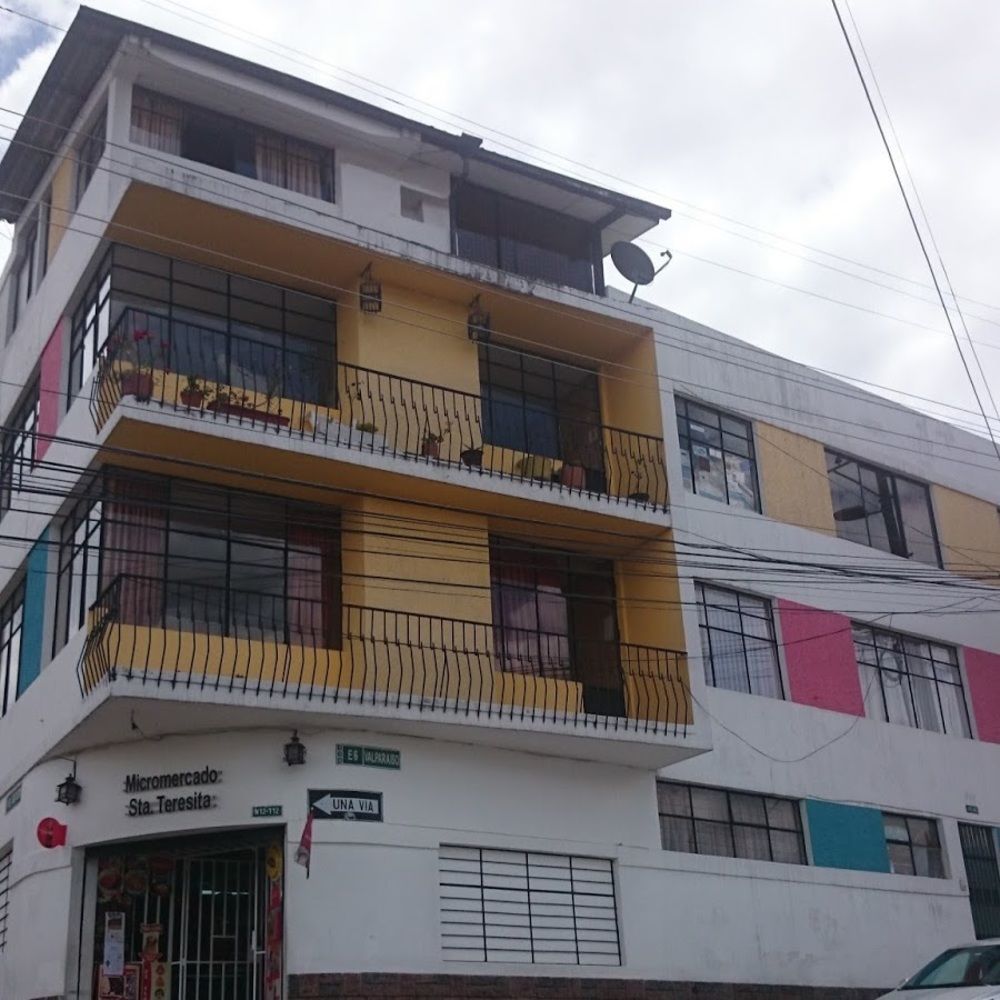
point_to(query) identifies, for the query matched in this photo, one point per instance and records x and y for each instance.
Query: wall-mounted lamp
(370, 291)
(295, 751)
(479, 322)
(68, 791)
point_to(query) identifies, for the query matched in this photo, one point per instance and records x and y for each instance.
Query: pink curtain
(313, 588)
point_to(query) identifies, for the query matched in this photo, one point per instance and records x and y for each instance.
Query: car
(970, 972)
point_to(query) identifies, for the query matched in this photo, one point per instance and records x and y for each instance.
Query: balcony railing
(192, 636)
(292, 389)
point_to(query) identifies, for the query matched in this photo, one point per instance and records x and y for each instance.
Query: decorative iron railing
(182, 635)
(291, 386)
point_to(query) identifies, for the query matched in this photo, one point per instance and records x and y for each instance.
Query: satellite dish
(634, 265)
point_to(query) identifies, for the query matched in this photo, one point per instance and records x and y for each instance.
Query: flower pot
(248, 413)
(138, 384)
(193, 398)
(472, 457)
(573, 477)
(430, 448)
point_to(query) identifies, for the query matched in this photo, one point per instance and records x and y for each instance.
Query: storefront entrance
(188, 918)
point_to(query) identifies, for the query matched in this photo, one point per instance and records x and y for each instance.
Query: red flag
(304, 851)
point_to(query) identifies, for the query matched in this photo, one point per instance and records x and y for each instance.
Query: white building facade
(625, 659)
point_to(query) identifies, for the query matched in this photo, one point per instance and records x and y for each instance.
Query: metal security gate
(979, 849)
(191, 919)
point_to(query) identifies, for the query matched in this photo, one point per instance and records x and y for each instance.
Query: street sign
(348, 753)
(328, 803)
(266, 811)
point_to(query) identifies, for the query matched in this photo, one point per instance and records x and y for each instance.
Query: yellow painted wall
(62, 204)
(793, 479)
(969, 532)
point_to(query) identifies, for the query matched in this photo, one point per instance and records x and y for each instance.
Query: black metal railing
(185, 635)
(294, 388)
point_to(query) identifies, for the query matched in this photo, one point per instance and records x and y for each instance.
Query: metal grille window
(217, 140)
(738, 645)
(208, 324)
(5, 862)
(911, 682)
(525, 907)
(11, 622)
(914, 845)
(17, 452)
(882, 509)
(717, 455)
(699, 820)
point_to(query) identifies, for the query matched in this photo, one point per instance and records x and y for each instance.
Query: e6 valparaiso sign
(390, 760)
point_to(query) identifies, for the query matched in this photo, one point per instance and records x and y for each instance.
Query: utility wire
(916, 227)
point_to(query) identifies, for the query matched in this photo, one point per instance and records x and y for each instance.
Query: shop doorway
(982, 869)
(196, 918)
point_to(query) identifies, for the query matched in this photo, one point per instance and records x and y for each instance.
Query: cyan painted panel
(32, 630)
(845, 836)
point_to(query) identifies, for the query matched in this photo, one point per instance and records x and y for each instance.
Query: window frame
(686, 443)
(705, 630)
(906, 819)
(907, 674)
(11, 627)
(731, 823)
(185, 112)
(88, 152)
(19, 443)
(898, 546)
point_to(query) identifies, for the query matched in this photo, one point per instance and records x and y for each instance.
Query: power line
(916, 227)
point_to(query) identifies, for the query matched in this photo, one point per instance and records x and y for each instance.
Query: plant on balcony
(430, 443)
(139, 355)
(241, 405)
(366, 427)
(194, 394)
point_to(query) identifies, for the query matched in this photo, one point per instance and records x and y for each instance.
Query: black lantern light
(370, 291)
(479, 322)
(68, 791)
(295, 751)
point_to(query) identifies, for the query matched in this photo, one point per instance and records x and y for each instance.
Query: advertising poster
(114, 944)
(274, 933)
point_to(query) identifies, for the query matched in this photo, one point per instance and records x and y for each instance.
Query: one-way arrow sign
(327, 803)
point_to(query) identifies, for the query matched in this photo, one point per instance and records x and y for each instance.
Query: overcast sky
(750, 109)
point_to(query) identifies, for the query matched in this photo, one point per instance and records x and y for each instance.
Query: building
(622, 655)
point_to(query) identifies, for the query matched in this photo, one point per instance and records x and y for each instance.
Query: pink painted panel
(982, 670)
(819, 655)
(50, 397)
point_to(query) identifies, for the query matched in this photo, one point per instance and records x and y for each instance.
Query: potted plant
(472, 458)
(430, 443)
(194, 394)
(140, 356)
(573, 474)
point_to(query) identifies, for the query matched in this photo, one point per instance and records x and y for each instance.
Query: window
(914, 847)
(542, 407)
(728, 824)
(911, 682)
(411, 204)
(882, 510)
(229, 144)
(201, 558)
(738, 645)
(555, 615)
(717, 455)
(11, 623)
(216, 326)
(5, 862)
(526, 907)
(527, 239)
(89, 153)
(17, 445)
(958, 968)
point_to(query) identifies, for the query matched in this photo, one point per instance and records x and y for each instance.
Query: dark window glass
(11, 622)
(914, 846)
(697, 820)
(527, 239)
(717, 455)
(911, 682)
(738, 645)
(882, 510)
(209, 325)
(202, 558)
(542, 407)
(17, 450)
(555, 615)
(89, 153)
(217, 140)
